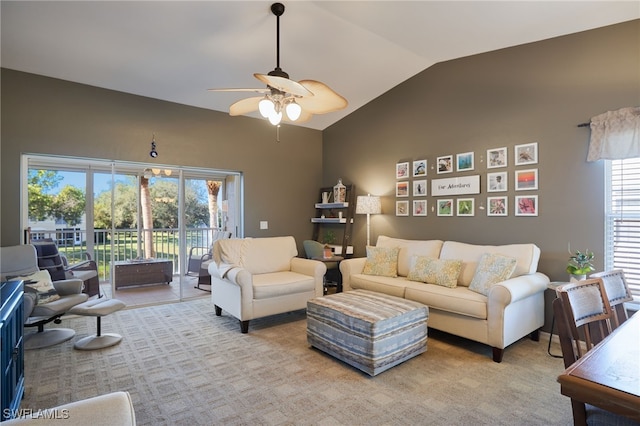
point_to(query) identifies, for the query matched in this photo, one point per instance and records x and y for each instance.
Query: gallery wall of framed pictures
(455, 184)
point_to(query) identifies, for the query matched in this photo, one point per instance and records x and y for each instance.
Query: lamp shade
(368, 204)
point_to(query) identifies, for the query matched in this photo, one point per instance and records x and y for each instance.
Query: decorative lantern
(339, 192)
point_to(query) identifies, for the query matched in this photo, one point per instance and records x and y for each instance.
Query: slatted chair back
(587, 311)
(618, 292)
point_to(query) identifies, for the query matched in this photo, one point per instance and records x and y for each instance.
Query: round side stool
(97, 308)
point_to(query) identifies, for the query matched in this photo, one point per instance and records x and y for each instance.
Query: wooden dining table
(608, 376)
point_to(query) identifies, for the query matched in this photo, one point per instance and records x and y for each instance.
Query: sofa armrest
(114, 408)
(313, 268)
(350, 267)
(67, 287)
(514, 289)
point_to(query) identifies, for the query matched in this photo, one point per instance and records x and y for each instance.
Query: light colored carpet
(185, 366)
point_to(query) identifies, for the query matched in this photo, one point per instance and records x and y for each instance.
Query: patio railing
(125, 244)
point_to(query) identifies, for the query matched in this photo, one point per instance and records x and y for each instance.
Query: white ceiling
(176, 50)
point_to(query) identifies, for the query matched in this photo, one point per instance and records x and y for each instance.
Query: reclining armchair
(257, 277)
(21, 262)
(58, 265)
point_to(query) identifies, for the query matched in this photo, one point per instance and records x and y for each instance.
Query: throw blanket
(230, 254)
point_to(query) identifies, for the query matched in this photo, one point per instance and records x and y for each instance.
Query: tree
(69, 205)
(213, 188)
(125, 210)
(147, 217)
(39, 183)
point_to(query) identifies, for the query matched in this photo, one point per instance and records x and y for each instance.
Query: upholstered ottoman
(98, 308)
(370, 331)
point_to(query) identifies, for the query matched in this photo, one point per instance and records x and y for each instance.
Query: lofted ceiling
(176, 50)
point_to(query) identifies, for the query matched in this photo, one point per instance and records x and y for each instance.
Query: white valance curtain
(615, 135)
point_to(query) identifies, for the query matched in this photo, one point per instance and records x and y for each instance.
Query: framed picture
(497, 206)
(420, 168)
(526, 180)
(402, 208)
(402, 170)
(464, 162)
(445, 207)
(497, 182)
(526, 154)
(419, 207)
(419, 188)
(497, 157)
(526, 205)
(445, 164)
(465, 206)
(402, 189)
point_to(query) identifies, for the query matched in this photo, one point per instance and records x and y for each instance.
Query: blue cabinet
(12, 348)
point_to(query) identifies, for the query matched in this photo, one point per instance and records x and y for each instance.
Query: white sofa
(257, 277)
(512, 309)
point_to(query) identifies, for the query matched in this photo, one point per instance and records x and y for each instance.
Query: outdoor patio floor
(156, 293)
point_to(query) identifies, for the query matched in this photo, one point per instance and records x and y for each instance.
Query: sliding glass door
(122, 213)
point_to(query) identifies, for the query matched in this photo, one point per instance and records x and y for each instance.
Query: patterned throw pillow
(428, 270)
(382, 261)
(41, 282)
(492, 269)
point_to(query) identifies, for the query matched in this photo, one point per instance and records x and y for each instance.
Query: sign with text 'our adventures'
(456, 186)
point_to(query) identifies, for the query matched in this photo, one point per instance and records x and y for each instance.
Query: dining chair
(583, 314)
(618, 292)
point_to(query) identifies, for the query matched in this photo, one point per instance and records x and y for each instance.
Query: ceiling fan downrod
(278, 10)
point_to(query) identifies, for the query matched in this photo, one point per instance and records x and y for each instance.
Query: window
(622, 216)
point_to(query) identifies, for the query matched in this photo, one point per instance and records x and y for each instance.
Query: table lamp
(368, 204)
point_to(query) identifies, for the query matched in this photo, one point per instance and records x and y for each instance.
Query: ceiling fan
(286, 99)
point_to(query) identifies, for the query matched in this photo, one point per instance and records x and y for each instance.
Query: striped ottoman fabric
(370, 331)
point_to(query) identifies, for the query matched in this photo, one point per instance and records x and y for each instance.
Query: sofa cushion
(527, 256)
(409, 248)
(459, 300)
(442, 272)
(267, 286)
(381, 261)
(273, 254)
(387, 285)
(492, 269)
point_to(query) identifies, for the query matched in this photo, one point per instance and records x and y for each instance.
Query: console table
(128, 273)
(12, 353)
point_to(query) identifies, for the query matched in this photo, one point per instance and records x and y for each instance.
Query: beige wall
(532, 93)
(48, 116)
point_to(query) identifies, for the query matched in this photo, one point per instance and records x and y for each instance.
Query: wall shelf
(332, 205)
(329, 220)
(333, 222)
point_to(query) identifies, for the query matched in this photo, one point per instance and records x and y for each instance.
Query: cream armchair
(257, 277)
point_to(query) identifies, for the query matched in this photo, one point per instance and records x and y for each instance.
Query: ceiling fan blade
(245, 106)
(264, 90)
(324, 99)
(284, 84)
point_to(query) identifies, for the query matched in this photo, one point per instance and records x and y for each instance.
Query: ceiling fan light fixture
(266, 107)
(275, 118)
(293, 110)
